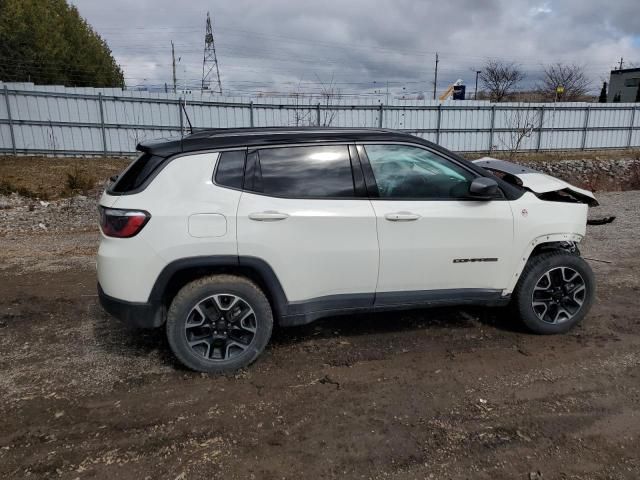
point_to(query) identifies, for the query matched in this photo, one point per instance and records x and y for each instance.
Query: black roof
(219, 138)
(208, 139)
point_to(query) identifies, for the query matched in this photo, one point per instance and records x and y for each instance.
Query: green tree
(603, 93)
(48, 42)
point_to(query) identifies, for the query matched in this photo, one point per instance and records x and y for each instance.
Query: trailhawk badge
(474, 260)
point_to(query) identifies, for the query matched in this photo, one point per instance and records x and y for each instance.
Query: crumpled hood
(536, 181)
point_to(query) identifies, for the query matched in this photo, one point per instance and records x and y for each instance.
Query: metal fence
(87, 121)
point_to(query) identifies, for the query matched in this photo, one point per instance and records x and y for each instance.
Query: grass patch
(7, 188)
(49, 178)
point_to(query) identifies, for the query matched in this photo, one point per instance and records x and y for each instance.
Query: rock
(522, 436)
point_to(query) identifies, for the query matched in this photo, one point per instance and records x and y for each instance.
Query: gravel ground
(595, 175)
(26, 215)
(446, 393)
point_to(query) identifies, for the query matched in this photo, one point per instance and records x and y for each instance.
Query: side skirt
(301, 313)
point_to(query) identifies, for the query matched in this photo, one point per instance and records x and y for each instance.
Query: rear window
(137, 173)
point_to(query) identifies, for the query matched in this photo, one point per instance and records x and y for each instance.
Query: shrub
(78, 181)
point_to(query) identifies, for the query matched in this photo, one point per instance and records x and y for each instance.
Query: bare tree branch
(571, 78)
(500, 78)
(329, 93)
(521, 124)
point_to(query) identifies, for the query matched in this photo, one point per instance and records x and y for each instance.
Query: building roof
(218, 138)
(626, 70)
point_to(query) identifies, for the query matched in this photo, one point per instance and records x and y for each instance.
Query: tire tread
(520, 298)
(183, 301)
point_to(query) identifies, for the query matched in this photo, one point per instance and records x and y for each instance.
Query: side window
(402, 171)
(305, 172)
(230, 169)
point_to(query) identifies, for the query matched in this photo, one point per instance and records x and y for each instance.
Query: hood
(535, 181)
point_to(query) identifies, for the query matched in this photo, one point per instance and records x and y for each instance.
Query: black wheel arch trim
(261, 268)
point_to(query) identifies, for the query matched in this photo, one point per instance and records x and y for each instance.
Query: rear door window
(304, 172)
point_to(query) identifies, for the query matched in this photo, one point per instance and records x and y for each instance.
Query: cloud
(303, 45)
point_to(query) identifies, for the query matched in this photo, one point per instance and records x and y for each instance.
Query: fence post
(438, 123)
(586, 126)
(540, 125)
(251, 113)
(104, 135)
(318, 113)
(180, 113)
(633, 119)
(13, 137)
(380, 116)
(493, 122)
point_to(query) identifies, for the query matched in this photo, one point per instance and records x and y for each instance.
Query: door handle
(402, 217)
(268, 216)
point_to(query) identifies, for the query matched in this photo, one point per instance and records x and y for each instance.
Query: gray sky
(279, 45)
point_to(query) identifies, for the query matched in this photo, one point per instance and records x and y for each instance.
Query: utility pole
(173, 64)
(435, 79)
(210, 61)
(621, 62)
(475, 95)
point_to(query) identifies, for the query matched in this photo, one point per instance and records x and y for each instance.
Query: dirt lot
(425, 394)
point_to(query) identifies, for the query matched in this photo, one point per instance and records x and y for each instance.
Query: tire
(549, 298)
(219, 324)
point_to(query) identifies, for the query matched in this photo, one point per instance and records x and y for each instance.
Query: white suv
(222, 233)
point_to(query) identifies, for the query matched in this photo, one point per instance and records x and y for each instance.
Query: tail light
(120, 223)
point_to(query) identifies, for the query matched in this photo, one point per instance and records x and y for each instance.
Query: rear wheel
(555, 292)
(219, 324)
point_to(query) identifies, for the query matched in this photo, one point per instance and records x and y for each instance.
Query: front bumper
(134, 314)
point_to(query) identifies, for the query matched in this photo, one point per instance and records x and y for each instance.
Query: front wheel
(554, 293)
(219, 324)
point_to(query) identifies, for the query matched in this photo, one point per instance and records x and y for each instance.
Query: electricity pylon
(210, 61)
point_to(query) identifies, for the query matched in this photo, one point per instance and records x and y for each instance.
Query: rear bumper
(134, 314)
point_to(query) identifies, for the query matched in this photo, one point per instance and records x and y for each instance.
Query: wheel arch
(538, 245)
(178, 273)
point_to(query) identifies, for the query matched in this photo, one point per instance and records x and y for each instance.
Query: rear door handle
(268, 216)
(402, 217)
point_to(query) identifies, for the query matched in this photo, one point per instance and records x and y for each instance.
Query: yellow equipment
(449, 91)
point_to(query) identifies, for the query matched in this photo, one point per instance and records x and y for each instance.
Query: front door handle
(268, 216)
(402, 217)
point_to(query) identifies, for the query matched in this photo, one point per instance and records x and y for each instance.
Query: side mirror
(484, 188)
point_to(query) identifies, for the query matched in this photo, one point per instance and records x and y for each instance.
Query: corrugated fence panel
(634, 138)
(59, 120)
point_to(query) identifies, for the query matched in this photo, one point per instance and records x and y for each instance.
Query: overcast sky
(280, 45)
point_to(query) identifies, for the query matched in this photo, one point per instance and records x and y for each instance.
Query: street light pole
(475, 95)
